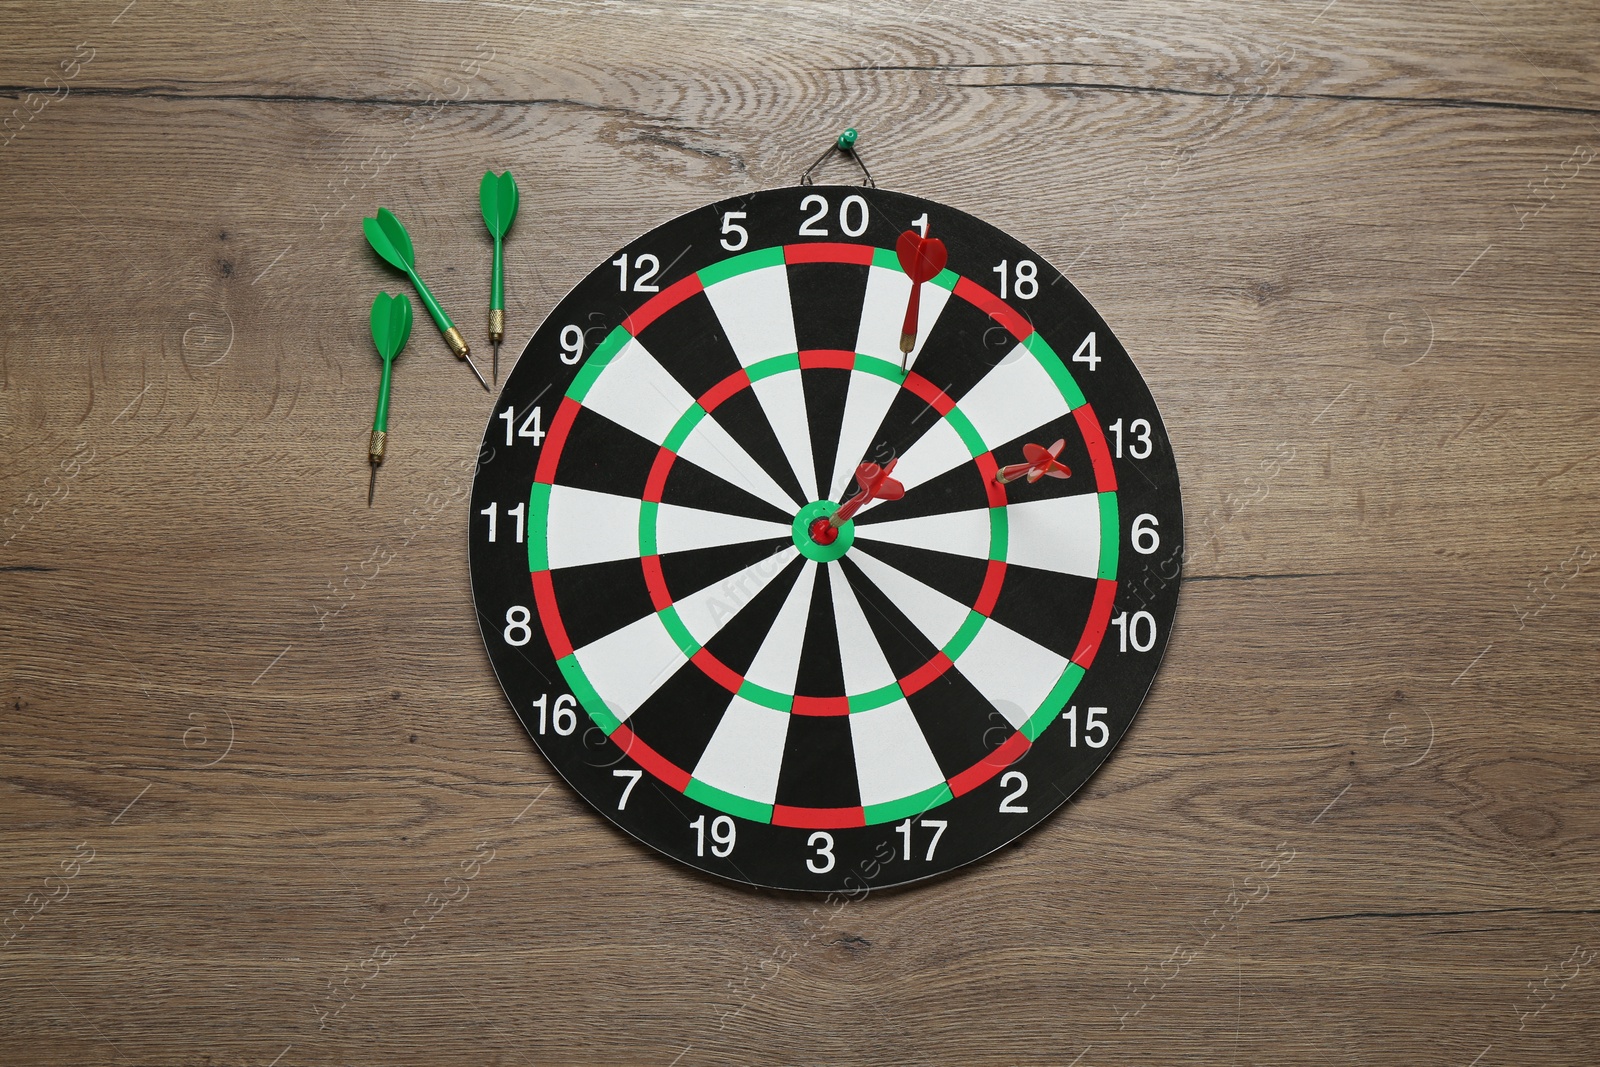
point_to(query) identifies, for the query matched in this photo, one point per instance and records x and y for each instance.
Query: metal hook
(845, 145)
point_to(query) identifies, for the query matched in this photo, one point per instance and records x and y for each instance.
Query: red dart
(1040, 462)
(875, 484)
(921, 258)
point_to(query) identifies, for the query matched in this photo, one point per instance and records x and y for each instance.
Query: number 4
(1086, 353)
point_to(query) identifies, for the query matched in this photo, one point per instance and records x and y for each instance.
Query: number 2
(1008, 803)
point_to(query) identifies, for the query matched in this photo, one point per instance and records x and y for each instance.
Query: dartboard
(719, 661)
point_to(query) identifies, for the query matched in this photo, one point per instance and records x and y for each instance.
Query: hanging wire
(845, 146)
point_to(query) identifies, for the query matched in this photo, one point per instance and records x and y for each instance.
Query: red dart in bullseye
(1040, 462)
(921, 258)
(875, 484)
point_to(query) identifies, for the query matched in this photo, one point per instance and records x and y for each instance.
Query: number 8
(517, 618)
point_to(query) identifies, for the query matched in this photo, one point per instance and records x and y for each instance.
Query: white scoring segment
(777, 661)
(1013, 673)
(589, 527)
(681, 529)
(756, 313)
(1059, 534)
(745, 753)
(864, 408)
(706, 610)
(1014, 398)
(939, 449)
(937, 616)
(710, 446)
(636, 392)
(626, 666)
(883, 313)
(755, 310)
(783, 398)
(629, 664)
(963, 533)
(1018, 395)
(893, 760)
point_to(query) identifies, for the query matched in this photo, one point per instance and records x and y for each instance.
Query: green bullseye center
(812, 549)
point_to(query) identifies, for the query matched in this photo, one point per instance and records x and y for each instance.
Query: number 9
(571, 344)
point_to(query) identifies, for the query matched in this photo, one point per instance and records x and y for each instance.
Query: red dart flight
(1040, 462)
(875, 484)
(921, 258)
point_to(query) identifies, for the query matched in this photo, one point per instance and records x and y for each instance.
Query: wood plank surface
(1356, 235)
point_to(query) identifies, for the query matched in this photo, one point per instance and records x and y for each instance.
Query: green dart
(497, 195)
(391, 328)
(389, 239)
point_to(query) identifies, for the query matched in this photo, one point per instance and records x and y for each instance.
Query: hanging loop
(846, 146)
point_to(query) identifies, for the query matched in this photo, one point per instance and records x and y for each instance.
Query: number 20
(852, 210)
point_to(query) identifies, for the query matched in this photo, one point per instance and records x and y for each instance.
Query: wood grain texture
(1349, 233)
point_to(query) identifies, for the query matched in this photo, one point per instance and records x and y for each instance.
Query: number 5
(730, 227)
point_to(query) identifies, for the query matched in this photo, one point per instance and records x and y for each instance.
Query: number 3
(822, 862)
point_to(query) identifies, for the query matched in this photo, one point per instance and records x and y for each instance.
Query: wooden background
(249, 727)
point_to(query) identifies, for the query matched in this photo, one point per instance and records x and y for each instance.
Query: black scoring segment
(958, 577)
(690, 343)
(691, 486)
(827, 299)
(964, 345)
(821, 670)
(604, 457)
(678, 719)
(826, 392)
(959, 724)
(736, 644)
(1046, 607)
(597, 599)
(819, 763)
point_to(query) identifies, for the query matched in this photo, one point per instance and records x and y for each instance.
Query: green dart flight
(497, 195)
(389, 239)
(391, 328)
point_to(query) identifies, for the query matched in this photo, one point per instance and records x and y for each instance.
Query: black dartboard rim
(570, 619)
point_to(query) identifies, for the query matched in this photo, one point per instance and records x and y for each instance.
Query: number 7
(633, 780)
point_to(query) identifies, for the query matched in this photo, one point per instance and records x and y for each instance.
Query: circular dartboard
(738, 680)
